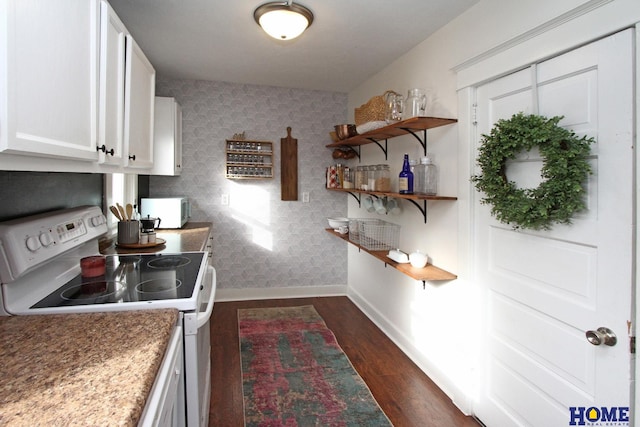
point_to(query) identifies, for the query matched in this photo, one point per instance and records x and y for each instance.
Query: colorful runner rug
(294, 373)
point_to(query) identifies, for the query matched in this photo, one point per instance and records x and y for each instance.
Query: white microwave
(173, 212)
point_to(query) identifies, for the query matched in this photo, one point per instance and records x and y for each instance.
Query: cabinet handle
(132, 157)
(103, 148)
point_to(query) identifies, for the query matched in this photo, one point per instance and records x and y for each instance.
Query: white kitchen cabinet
(167, 137)
(112, 88)
(165, 405)
(49, 80)
(140, 82)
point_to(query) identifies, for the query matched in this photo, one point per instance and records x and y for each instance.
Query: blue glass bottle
(405, 179)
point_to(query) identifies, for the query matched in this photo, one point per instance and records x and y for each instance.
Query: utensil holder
(128, 232)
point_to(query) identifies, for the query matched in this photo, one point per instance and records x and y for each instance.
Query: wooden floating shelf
(395, 195)
(403, 127)
(427, 273)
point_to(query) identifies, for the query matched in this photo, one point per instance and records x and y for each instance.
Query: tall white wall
(440, 325)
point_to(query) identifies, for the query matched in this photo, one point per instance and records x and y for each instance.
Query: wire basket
(379, 235)
(354, 227)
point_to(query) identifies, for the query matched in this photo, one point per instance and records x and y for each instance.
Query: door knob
(602, 336)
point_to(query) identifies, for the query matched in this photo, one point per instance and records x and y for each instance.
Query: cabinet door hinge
(474, 114)
(632, 345)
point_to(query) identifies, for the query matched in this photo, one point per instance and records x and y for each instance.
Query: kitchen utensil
(345, 131)
(149, 224)
(123, 215)
(129, 211)
(115, 212)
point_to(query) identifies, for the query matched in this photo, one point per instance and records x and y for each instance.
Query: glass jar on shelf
(383, 178)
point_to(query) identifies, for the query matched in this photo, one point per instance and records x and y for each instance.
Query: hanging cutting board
(289, 167)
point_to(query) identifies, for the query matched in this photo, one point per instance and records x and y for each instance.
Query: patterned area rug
(294, 373)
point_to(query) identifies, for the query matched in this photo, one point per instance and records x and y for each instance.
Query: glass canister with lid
(383, 178)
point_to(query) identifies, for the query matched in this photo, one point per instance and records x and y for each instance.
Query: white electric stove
(40, 274)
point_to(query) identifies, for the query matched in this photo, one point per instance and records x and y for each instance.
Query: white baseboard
(457, 396)
(248, 294)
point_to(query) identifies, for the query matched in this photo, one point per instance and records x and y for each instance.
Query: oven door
(197, 355)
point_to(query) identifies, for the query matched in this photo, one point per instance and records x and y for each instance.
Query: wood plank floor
(405, 393)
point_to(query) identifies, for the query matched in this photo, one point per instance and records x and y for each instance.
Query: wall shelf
(413, 126)
(413, 198)
(428, 273)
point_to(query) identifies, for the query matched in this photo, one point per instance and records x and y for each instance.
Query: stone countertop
(80, 369)
(190, 238)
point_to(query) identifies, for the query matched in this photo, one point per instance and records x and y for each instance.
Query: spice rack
(248, 159)
(427, 273)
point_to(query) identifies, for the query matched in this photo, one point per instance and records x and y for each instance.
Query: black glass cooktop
(132, 278)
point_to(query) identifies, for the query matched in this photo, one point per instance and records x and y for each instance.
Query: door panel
(545, 289)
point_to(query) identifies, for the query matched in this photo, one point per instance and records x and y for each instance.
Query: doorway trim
(514, 55)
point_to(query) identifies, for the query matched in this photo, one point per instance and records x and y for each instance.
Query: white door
(544, 290)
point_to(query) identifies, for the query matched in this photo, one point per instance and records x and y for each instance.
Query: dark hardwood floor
(405, 393)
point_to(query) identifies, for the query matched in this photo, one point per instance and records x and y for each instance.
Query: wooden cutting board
(289, 167)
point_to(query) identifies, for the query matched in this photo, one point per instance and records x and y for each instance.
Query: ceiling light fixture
(283, 20)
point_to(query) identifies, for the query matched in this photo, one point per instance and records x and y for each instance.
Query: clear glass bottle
(428, 176)
(405, 178)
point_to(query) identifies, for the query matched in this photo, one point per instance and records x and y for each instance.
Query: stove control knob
(33, 244)
(45, 239)
(97, 220)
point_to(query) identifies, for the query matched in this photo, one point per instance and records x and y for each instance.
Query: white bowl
(418, 259)
(338, 222)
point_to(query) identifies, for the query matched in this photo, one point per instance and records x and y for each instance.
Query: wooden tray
(158, 242)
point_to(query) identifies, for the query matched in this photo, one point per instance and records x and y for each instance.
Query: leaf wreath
(564, 172)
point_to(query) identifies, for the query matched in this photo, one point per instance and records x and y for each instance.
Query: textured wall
(260, 241)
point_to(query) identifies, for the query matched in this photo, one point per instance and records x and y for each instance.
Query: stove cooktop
(131, 278)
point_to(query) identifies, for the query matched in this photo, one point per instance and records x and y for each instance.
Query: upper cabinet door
(112, 70)
(50, 49)
(167, 137)
(140, 84)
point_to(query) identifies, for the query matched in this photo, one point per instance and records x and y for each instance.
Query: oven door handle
(204, 316)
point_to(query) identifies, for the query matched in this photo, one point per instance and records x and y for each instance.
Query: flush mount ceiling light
(283, 20)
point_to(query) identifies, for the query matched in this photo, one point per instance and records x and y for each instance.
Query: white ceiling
(348, 42)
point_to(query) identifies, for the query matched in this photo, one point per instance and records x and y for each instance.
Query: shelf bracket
(422, 141)
(384, 149)
(355, 197)
(422, 209)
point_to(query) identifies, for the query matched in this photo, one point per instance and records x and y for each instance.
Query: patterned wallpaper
(260, 241)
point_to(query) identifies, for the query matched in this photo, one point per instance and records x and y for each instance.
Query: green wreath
(564, 171)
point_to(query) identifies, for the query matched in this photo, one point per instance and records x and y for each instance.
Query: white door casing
(543, 290)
